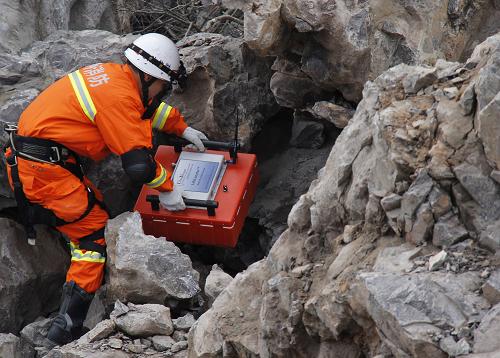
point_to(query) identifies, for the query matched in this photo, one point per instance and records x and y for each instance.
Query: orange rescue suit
(57, 114)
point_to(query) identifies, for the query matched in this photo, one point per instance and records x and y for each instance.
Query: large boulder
(145, 269)
(32, 276)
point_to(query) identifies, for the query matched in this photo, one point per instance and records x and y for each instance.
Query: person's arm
(130, 137)
(168, 119)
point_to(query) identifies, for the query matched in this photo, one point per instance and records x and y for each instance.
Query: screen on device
(195, 175)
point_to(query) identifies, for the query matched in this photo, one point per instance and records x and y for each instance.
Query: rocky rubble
(132, 330)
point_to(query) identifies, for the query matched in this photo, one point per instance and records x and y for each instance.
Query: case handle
(211, 205)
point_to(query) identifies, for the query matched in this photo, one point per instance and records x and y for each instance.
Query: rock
(490, 238)
(422, 227)
(489, 128)
(416, 194)
(35, 333)
(411, 307)
(292, 88)
(10, 346)
(453, 348)
(491, 288)
(185, 322)
(115, 343)
(142, 268)
(223, 322)
(12, 108)
(145, 320)
(225, 80)
(162, 343)
(450, 92)
(391, 202)
(436, 261)
(179, 336)
(440, 202)
(102, 330)
(396, 259)
(179, 346)
(333, 113)
(307, 134)
(468, 100)
(484, 336)
(217, 280)
(417, 78)
(480, 187)
(32, 276)
(495, 175)
(453, 126)
(97, 311)
(448, 231)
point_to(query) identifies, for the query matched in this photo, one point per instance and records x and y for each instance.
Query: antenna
(235, 145)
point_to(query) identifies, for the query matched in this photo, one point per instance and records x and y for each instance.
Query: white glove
(172, 200)
(195, 137)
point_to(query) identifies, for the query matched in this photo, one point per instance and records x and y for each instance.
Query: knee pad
(139, 165)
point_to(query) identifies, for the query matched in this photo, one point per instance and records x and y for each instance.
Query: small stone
(184, 323)
(115, 343)
(436, 261)
(179, 346)
(162, 343)
(179, 336)
(134, 348)
(485, 273)
(450, 92)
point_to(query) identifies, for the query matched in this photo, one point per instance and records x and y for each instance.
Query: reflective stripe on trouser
(57, 189)
(87, 267)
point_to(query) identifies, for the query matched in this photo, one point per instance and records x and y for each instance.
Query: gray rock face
(418, 146)
(26, 21)
(142, 268)
(32, 276)
(225, 80)
(345, 47)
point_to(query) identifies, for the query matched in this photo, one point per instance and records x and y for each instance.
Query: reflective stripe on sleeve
(159, 180)
(83, 95)
(87, 256)
(161, 116)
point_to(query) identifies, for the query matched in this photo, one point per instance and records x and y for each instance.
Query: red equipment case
(195, 225)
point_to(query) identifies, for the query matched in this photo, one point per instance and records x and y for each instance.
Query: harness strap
(88, 242)
(31, 213)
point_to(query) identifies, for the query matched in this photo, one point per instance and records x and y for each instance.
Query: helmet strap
(151, 106)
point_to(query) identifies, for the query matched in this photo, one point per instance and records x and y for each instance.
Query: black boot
(68, 324)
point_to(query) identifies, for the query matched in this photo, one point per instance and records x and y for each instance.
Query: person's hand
(195, 137)
(172, 200)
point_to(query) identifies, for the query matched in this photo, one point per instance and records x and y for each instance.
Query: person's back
(56, 114)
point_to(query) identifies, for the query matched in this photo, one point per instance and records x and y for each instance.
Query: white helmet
(155, 55)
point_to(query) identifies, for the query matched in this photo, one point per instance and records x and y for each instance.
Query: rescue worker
(92, 112)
